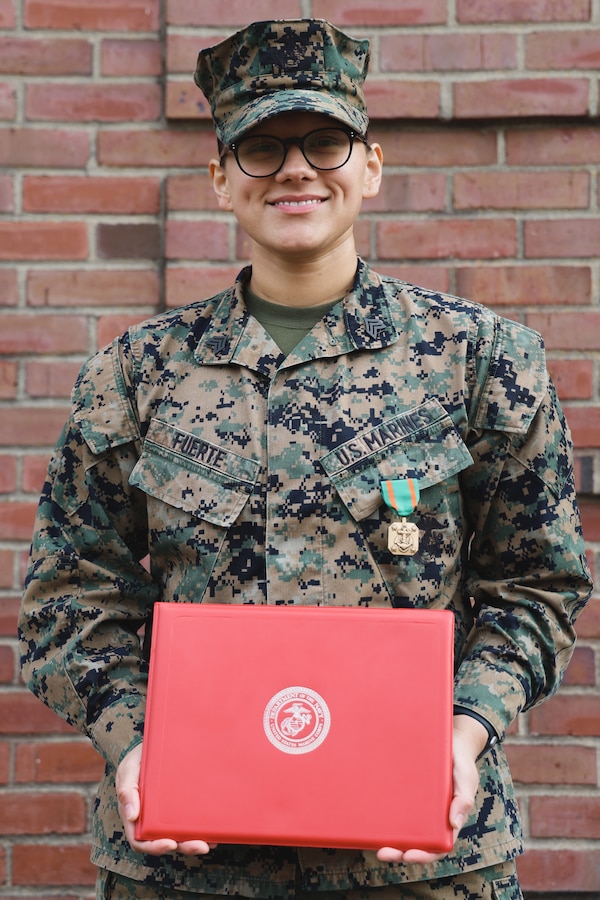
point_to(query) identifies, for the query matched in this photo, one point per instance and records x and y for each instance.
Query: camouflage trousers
(492, 883)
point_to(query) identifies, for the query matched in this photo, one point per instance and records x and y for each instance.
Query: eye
(260, 147)
(330, 140)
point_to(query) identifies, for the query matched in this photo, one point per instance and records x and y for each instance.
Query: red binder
(301, 726)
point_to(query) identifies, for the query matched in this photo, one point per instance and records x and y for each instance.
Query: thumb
(127, 785)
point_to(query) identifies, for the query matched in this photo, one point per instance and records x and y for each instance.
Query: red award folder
(299, 726)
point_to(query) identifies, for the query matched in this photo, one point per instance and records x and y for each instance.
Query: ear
(373, 172)
(220, 184)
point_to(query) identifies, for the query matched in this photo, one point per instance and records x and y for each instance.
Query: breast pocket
(422, 444)
(196, 490)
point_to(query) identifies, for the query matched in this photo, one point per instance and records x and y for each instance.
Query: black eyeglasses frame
(234, 146)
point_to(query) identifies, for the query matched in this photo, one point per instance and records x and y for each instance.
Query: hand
(128, 794)
(469, 739)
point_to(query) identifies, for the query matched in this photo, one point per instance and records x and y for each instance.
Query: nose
(295, 164)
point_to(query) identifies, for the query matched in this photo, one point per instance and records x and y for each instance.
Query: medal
(402, 495)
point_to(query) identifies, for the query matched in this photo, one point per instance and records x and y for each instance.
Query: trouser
(492, 883)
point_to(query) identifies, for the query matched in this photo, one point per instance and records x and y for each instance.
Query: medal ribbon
(401, 494)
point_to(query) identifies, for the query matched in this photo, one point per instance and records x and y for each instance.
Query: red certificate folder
(300, 726)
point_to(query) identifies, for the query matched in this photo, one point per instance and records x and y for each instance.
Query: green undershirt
(287, 325)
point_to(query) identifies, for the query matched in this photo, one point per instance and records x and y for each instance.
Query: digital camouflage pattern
(274, 67)
(249, 477)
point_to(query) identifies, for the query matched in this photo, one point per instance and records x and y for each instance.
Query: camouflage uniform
(250, 477)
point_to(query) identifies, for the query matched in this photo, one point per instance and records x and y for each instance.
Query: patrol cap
(280, 66)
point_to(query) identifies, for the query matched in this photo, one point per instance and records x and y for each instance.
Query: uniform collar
(362, 321)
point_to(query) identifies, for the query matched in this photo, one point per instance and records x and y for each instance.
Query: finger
(195, 848)
(389, 854)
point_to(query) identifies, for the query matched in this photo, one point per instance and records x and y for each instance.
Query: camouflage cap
(279, 66)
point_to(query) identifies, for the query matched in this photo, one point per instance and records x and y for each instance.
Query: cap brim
(282, 101)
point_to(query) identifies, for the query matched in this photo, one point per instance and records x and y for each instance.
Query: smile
(296, 204)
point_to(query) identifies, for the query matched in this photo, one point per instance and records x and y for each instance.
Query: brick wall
(488, 115)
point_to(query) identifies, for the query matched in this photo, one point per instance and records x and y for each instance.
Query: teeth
(297, 202)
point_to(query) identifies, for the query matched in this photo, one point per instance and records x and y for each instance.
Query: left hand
(469, 739)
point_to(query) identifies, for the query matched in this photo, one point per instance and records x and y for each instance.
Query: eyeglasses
(324, 149)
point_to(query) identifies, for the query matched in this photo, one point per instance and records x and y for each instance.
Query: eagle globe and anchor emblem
(296, 720)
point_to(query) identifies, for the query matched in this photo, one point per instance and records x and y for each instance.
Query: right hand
(128, 795)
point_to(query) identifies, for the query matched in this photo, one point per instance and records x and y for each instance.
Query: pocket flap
(422, 443)
(192, 474)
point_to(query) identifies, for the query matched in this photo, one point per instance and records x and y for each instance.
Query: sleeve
(87, 596)
(527, 574)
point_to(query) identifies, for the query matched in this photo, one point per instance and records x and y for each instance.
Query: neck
(303, 282)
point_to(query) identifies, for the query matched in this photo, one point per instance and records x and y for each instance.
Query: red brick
(113, 287)
(588, 623)
(234, 12)
(93, 103)
(582, 668)
(568, 330)
(567, 817)
(439, 239)
(522, 190)
(521, 97)
(197, 240)
(128, 241)
(129, 59)
(564, 50)
(9, 373)
(584, 422)
(190, 192)
(590, 512)
(517, 11)
(110, 327)
(43, 240)
(85, 194)
(536, 763)
(22, 713)
(7, 673)
(42, 813)
(93, 15)
(8, 102)
(156, 148)
(7, 568)
(16, 520)
(417, 192)
(185, 101)
(56, 148)
(384, 12)
(387, 99)
(43, 334)
(562, 238)
(574, 378)
(32, 426)
(8, 474)
(576, 714)
(9, 290)
(447, 52)
(50, 379)
(434, 147)
(54, 864)
(561, 869)
(7, 13)
(185, 284)
(182, 50)
(9, 609)
(35, 469)
(33, 56)
(547, 146)
(526, 284)
(57, 762)
(7, 202)
(4, 764)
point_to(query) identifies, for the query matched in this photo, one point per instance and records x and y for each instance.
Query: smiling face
(300, 212)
